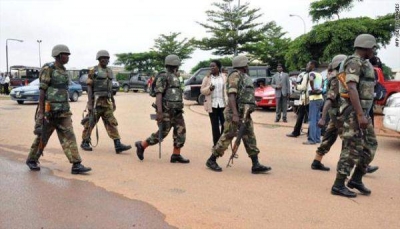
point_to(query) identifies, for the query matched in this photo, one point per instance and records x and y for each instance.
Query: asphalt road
(191, 196)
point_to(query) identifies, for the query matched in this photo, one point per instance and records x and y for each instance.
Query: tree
(231, 28)
(334, 37)
(325, 9)
(225, 61)
(273, 47)
(146, 62)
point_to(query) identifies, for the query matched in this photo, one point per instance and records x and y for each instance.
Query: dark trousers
(6, 91)
(217, 123)
(281, 107)
(301, 113)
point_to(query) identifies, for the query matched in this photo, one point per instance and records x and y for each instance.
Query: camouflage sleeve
(233, 81)
(45, 77)
(89, 80)
(353, 71)
(333, 89)
(161, 84)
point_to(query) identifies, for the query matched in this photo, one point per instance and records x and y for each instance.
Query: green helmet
(59, 49)
(337, 60)
(240, 61)
(102, 53)
(365, 41)
(172, 60)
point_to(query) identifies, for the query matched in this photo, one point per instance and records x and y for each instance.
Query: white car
(392, 113)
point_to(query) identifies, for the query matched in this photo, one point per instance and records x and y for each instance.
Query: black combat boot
(33, 165)
(340, 189)
(257, 167)
(139, 150)
(372, 169)
(119, 147)
(85, 145)
(178, 158)
(317, 165)
(356, 182)
(212, 164)
(78, 168)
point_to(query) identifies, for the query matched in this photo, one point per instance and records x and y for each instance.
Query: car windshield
(34, 83)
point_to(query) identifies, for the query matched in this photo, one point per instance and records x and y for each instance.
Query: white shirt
(217, 96)
(7, 80)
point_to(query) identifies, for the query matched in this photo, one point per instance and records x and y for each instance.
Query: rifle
(160, 127)
(242, 127)
(44, 139)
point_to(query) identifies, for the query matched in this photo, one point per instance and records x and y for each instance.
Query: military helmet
(58, 49)
(240, 61)
(365, 41)
(102, 53)
(337, 60)
(172, 60)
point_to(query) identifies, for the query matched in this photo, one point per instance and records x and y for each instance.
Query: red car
(264, 95)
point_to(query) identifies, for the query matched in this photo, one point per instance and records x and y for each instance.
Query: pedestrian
(6, 84)
(302, 111)
(331, 107)
(358, 135)
(101, 104)
(169, 103)
(281, 84)
(240, 89)
(54, 113)
(213, 88)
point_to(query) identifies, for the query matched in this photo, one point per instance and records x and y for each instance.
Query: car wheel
(114, 92)
(74, 96)
(126, 88)
(20, 101)
(135, 91)
(145, 88)
(200, 99)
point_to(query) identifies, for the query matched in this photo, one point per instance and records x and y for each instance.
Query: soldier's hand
(235, 119)
(321, 123)
(160, 116)
(362, 121)
(114, 107)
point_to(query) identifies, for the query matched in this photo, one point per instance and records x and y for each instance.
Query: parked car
(83, 79)
(136, 82)
(392, 113)
(264, 92)
(31, 92)
(193, 84)
(391, 86)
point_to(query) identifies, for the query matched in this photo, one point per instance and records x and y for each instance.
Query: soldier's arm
(160, 89)
(89, 83)
(233, 81)
(45, 77)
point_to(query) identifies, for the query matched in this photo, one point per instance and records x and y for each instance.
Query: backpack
(380, 91)
(152, 89)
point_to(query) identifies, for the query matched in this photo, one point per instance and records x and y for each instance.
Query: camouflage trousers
(110, 123)
(230, 131)
(171, 119)
(358, 147)
(65, 132)
(330, 136)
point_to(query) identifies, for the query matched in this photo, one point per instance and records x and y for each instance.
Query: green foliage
(325, 9)
(225, 61)
(122, 76)
(139, 62)
(231, 27)
(337, 37)
(273, 47)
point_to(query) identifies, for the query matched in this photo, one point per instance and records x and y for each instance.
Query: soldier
(240, 91)
(169, 105)
(357, 96)
(331, 106)
(101, 99)
(54, 112)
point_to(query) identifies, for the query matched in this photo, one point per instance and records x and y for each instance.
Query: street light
(40, 59)
(7, 49)
(304, 23)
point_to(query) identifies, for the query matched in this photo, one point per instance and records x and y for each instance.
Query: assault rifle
(242, 127)
(43, 138)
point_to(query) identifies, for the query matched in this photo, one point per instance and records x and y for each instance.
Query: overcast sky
(119, 26)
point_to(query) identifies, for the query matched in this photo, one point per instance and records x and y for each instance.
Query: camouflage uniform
(242, 85)
(103, 106)
(54, 81)
(169, 85)
(359, 146)
(331, 131)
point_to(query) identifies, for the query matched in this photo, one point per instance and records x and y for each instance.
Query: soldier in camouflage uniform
(240, 91)
(357, 95)
(53, 87)
(102, 100)
(331, 106)
(169, 105)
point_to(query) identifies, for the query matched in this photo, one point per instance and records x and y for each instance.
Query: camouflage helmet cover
(365, 41)
(58, 49)
(102, 53)
(337, 60)
(240, 61)
(172, 60)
